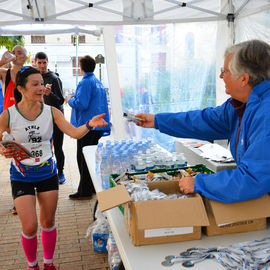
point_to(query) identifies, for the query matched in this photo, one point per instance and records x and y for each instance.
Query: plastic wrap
(98, 232)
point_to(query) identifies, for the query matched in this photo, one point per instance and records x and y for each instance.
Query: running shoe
(36, 267)
(61, 178)
(14, 211)
(49, 266)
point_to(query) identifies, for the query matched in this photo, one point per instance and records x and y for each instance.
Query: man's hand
(148, 120)
(6, 59)
(186, 185)
(48, 89)
(68, 98)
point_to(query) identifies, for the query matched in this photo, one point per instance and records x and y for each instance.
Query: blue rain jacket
(251, 178)
(89, 100)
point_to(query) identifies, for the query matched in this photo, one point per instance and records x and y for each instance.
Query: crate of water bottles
(117, 157)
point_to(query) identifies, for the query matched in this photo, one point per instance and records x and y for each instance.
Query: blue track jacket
(251, 178)
(89, 100)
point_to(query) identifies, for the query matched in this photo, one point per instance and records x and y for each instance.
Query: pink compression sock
(29, 244)
(48, 236)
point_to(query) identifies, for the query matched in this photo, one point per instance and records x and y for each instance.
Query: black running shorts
(20, 188)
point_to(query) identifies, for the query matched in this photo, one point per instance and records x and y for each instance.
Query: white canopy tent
(115, 12)
(33, 17)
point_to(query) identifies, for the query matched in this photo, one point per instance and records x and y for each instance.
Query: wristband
(87, 125)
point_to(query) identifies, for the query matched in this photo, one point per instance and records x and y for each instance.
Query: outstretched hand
(148, 120)
(98, 121)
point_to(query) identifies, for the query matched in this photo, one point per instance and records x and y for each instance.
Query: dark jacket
(56, 97)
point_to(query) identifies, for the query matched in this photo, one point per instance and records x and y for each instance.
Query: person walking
(53, 97)
(30, 122)
(90, 99)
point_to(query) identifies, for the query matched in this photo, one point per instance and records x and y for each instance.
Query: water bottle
(114, 258)
(149, 163)
(99, 156)
(105, 171)
(7, 137)
(125, 161)
(133, 159)
(9, 55)
(140, 166)
(116, 163)
(180, 160)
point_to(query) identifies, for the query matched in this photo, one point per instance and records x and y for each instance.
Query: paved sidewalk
(73, 250)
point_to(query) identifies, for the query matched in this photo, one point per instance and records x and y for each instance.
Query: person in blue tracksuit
(90, 97)
(244, 119)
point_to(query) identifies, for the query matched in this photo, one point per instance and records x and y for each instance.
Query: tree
(10, 41)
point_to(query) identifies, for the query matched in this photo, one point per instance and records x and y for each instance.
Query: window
(37, 39)
(74, 66)
(81, 39)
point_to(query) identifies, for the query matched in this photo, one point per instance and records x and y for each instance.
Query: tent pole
(114, 86)
(230, 18)
(224, 39)
(77, 62)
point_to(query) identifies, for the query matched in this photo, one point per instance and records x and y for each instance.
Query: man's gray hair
(24, 50)
(251, 57)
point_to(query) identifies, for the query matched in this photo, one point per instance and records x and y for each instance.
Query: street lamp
(100, 60)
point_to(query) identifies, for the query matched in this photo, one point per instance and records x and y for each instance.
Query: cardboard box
(196, 168)
(158, 221)
(236, 217)
(193, 155)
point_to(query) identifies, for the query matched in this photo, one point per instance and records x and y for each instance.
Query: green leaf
(10, 41)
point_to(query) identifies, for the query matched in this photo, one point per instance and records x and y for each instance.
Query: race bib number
(41, 152)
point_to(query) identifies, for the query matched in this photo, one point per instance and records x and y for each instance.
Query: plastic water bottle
(125, 161)
(7, 136)
(105, 171)
(140, 166)
(113, 253)
(99, 156)
(116, 163)
(133, 159)
(180, 160)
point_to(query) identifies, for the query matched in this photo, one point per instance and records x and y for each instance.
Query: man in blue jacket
(90, 99)
(244, 119)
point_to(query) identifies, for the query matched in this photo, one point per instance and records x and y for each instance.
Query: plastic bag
(98, 232)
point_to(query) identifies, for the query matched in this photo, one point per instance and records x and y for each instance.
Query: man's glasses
(222, 70)
(23, 69)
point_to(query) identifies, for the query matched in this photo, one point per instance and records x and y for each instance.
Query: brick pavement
(73, 250)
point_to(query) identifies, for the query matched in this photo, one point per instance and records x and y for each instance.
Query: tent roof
(77, 15)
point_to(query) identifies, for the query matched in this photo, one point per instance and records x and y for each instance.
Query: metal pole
(231, 23)
(77, 62)
(100, 72)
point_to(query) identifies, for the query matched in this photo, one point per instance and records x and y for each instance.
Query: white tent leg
(225, 38)
(114, 85)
